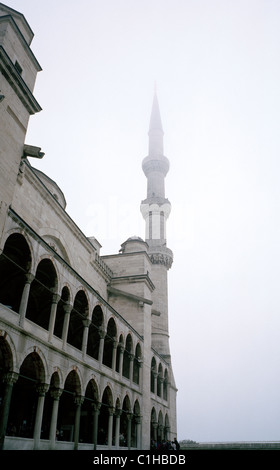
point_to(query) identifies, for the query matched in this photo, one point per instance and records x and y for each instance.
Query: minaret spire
(155, 210)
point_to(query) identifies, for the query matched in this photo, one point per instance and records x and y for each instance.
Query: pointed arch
(78, 315)
(91, 399)
(25, 396)
(41, 293)
(60, 311)
(15, 263)
(95, 330)
(152, 374)
(110, 339)
(137, 362)
(105, 409)
(67, 406)
(126, 355)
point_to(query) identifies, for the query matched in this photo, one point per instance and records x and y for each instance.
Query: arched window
(86, 422)
(137, 364)
(134, 423)
(95, 328)
(25, 397)
(67, 407)
(126, 356)
(15, 261)
(120, 348)
(109, 343)
(159, 380)
(60, 312)
(165, 385)
(124, 428)
(152, 373)
(41, 294)
(103, 421)
(77, 317)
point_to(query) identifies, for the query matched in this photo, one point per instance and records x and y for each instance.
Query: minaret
(155, 210)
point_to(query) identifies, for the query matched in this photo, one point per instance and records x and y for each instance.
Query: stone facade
(84, 353)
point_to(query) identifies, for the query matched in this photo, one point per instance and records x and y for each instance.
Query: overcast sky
(216, 68)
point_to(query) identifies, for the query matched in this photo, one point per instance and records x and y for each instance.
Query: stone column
(24, 298)
(42, 389)
(102, 334)
(86, 324)
(55, 300)
(110, 428)
(55, 394)
(160, 432)
(155, 383)
(138, 432)
(131, 362)
(140, 362)
(96, 410)
(154, 427)
(167, 433)
(118, 413)
(78, 402)
(128, 437)
(161, 387)
(67, 310)
(114, 358)
(9, 379)
(121, 360)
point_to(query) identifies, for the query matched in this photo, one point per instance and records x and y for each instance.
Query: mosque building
(85, 361)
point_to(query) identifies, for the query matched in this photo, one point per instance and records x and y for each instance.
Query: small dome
(134, 244)
(52, 187)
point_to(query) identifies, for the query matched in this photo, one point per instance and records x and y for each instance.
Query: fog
(217, 74)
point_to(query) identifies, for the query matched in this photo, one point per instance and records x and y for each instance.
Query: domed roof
(134, 244)
(51, 186)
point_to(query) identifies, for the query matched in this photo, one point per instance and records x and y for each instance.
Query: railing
(22, 443)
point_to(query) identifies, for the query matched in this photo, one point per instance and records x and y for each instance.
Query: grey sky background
(216, 68)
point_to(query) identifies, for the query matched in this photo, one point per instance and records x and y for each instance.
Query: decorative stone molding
(165, 259)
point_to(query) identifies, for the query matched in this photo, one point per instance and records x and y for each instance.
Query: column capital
(118, 412)
(42, 389)
(96, 407)
(86, 322)
(138, 419)
(67, 308)
(102, 333)
(29, 277)
(56, 393)
(10, 377)
(79, 400)
(55, 298)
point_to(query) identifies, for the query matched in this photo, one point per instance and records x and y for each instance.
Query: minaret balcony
(158, 164)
